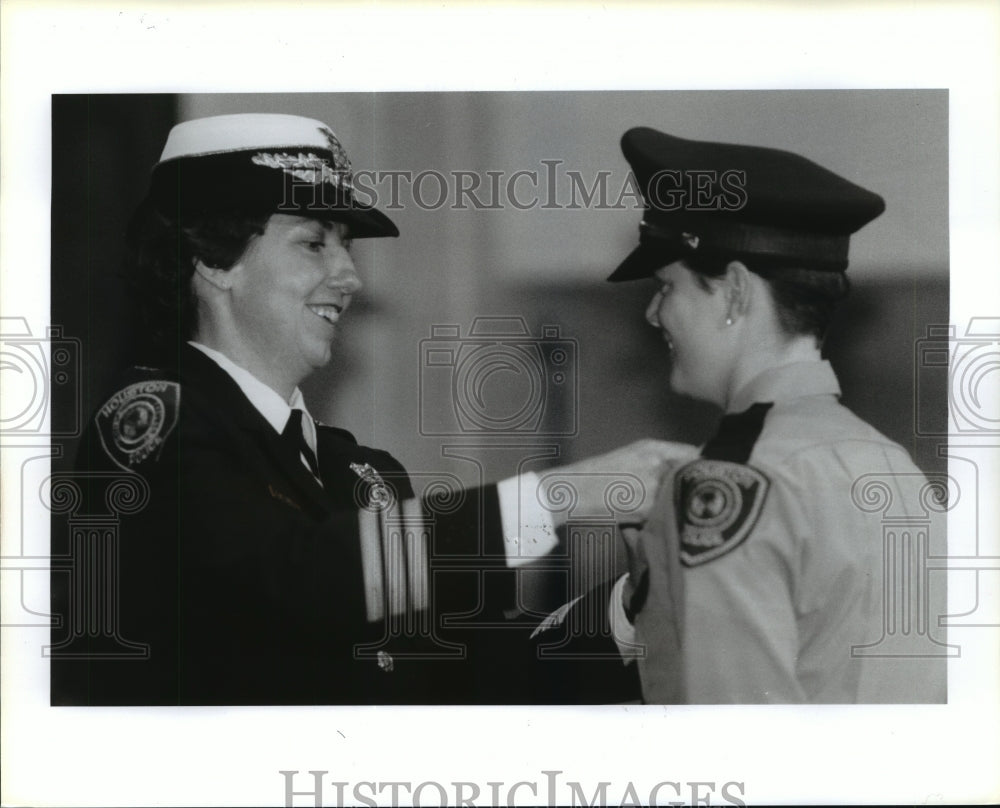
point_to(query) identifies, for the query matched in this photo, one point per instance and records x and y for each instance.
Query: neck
(757, 361)
(280, 380)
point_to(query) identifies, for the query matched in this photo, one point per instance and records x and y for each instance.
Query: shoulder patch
(718, 504)
(135, 421)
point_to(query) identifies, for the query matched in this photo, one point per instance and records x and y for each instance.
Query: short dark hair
(160, 264)
(806, 299)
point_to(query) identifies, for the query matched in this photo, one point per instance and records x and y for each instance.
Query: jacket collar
(266, 401)
(233, 413)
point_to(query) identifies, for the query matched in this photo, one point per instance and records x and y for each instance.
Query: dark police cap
(261, 163)
(739, 202)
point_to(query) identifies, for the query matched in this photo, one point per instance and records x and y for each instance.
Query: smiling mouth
(327, 311)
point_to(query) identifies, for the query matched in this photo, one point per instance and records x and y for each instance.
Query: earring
(729, 321)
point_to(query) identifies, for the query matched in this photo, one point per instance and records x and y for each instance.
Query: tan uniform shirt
(797, 575)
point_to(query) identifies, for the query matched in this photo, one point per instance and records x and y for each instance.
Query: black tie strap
(296, 439)
(736, 435)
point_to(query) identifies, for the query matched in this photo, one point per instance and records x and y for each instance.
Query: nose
(653, 310)
(342, 273)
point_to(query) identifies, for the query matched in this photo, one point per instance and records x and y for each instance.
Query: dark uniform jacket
(207, 566)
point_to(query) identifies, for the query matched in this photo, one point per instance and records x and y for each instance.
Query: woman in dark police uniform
(765, 573)
(270, 559)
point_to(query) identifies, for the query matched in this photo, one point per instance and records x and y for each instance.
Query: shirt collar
(265, 400)
(813, 378)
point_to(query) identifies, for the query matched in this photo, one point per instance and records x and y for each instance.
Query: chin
(675, 381)
(684, 387)
(319, 357)
(320, 362)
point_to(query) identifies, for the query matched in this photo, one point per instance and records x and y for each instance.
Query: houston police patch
(718, 504)
(135, 421)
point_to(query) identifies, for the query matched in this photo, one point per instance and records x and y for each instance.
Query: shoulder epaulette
(337, 432)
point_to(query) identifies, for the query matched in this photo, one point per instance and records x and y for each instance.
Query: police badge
(135, 421)
(718, 504)
(378, 493)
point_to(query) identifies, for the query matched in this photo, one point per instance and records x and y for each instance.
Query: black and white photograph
(483, 443)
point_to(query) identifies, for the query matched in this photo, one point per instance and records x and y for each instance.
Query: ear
(738, 290)
(221, 279)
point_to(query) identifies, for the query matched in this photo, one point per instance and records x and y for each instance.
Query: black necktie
(295, 438)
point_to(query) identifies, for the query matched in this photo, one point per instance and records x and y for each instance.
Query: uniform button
(385, 662)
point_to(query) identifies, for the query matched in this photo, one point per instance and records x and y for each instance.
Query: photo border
(116, 756)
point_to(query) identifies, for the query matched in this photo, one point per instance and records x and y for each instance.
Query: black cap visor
(643, 261)
(191, 187)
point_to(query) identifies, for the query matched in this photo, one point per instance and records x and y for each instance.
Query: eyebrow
(331, 226)
(308, 221)
(328, 225)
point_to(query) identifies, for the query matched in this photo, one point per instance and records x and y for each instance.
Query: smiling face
(692, 320)
(286, 294)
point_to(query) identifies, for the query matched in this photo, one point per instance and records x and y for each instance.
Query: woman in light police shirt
(763, 574)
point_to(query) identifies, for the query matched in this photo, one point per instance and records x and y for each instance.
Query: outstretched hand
(620, 484)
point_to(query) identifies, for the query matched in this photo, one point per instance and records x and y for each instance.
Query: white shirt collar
(265, 400)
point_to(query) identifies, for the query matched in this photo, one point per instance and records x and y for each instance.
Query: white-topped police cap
(261, 163)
